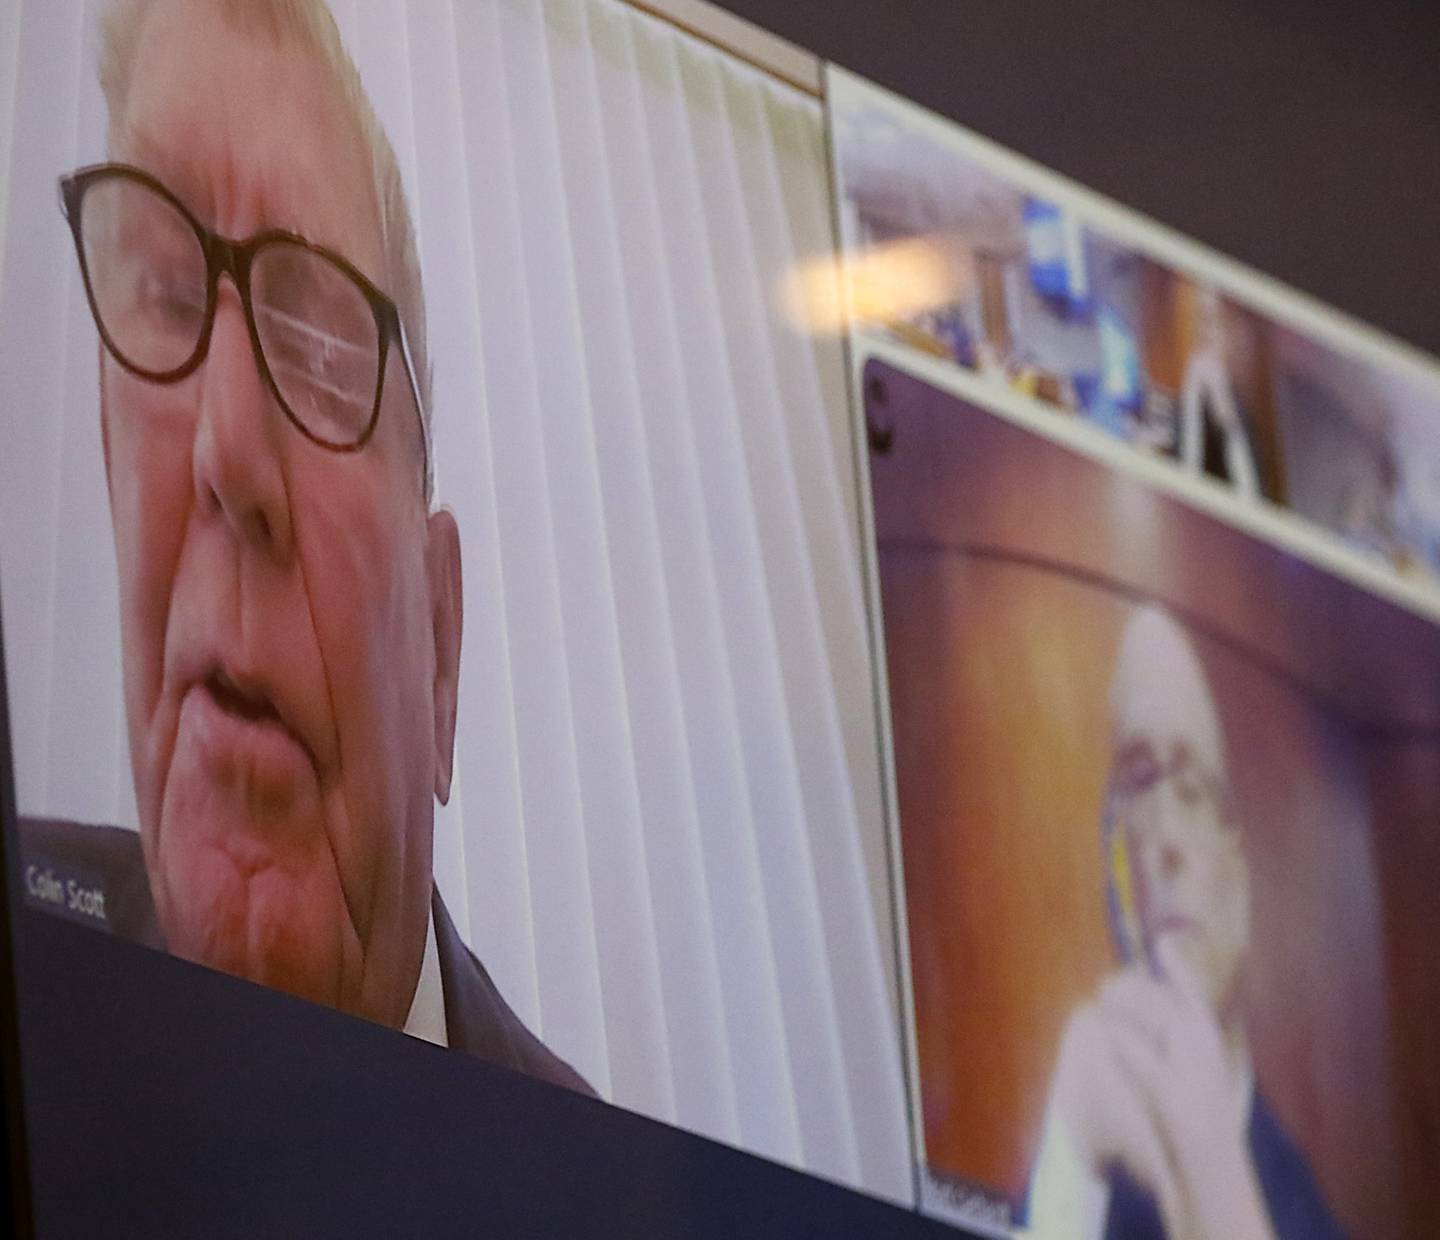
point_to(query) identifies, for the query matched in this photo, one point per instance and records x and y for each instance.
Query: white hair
(1159, 687)
(308, 26)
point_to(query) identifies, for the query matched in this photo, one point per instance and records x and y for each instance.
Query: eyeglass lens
(149, 279)
(147, 274)
(318, 335)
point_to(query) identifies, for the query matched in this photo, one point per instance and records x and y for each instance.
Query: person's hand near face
(290, 614)
(1147, 1082)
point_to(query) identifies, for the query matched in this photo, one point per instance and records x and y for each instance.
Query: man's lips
(1173, 923)
(250, 704)
(237, 722)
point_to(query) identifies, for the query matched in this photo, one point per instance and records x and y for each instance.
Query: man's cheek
(366, 605)
(372, 663)
(151, 496)
(149, 528)
(363, 792)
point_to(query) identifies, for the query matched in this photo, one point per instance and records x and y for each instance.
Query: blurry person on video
(1213, 436)
(290, 596)
(1156, 1127)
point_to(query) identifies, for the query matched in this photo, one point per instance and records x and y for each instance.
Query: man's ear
(447, 611)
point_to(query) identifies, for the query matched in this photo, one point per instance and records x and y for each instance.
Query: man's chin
(241, 861)
(267, 925)
(1193, 952)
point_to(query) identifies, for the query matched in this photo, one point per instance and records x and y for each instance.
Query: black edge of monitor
(13, 1131)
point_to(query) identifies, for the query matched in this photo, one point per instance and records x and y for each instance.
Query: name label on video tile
(60, 889)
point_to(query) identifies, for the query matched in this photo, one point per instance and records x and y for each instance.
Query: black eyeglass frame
(235, 258)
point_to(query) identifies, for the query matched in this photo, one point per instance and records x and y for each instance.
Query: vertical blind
(665, 836)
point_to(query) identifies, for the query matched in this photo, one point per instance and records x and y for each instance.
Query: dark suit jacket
(1297, 1210)
(478, 1021)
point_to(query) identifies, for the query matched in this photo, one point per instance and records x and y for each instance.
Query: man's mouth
(243, 708)
(1173, 923)
(249, 704)
(234, 732)
(240, 778)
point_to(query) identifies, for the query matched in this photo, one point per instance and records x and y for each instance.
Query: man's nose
(1168, 850)
(1170, 860)
(239, 477)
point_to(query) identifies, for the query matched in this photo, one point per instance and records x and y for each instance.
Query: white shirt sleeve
(1067, 1200)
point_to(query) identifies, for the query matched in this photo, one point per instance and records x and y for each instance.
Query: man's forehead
(1160, 695)
(251, 133)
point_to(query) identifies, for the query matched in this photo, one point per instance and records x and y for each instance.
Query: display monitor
(527, 708)
(1165, 777)
(429, 562)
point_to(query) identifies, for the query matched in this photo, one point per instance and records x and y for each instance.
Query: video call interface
(517, 529)
(1166, 878)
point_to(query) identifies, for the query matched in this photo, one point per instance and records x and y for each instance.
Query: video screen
(965, 253)
(1166, 779)
(429, 557)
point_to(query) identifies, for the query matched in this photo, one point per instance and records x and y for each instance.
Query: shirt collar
(427, 1008)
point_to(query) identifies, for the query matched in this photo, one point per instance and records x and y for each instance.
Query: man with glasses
(1156, 1128)
(290, 601)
